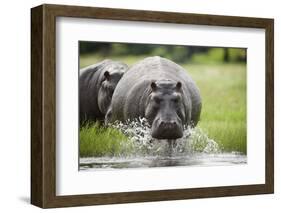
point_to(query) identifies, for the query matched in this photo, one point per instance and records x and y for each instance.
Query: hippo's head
(111, 77)
(165, 109)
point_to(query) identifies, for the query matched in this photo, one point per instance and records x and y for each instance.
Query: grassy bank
(96, 140)
(223, 116)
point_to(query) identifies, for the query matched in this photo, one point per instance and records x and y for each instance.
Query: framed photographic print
(136, 106)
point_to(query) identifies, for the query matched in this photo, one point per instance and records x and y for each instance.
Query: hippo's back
(130, 93)
(153, 68)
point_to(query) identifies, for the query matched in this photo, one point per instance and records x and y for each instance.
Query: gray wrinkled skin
(96, 86)
(162, 92)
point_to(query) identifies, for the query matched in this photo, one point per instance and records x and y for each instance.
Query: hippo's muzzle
(167, 130)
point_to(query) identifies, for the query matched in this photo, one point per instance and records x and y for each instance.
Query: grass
(223, 91)
(223, 115)
(96, 140)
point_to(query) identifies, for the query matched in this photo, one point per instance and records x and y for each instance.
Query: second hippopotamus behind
(96, 86)
(160, 91)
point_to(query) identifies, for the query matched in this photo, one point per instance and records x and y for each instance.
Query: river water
(198, 159)
(195, 148)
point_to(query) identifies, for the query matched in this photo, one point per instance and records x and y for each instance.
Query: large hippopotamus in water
(160, 91)
(96, 86)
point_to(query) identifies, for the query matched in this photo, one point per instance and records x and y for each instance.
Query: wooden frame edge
(153, 196)
(269, 122)
(36, 106)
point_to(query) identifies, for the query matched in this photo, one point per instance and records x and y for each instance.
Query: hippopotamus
(160, 91)
(96, 86)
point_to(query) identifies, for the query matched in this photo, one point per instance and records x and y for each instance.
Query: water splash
(138, 131)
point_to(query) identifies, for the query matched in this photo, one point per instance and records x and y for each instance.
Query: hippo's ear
(178, 86)
(107, 75)
(153, 86)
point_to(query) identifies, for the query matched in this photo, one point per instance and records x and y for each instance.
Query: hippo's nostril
(168, 124)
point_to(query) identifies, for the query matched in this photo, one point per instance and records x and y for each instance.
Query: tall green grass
(96, 140)
(223, 91)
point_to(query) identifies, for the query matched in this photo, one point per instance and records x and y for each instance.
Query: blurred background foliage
(178, 54)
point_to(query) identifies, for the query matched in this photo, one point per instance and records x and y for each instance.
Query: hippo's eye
(157, 100)
(176, 100)
(111, 92)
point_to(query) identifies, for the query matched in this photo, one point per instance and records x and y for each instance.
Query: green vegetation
(177, 53)
(96, 140)
(223, 91)
(212, 56)
(87, 60)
